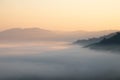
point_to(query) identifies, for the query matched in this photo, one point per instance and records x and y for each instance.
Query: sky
(64, 15)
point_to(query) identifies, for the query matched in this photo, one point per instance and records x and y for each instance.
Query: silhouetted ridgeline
(89, 41)
(110, 42)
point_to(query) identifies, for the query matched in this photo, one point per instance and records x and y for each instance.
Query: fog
(56, 61)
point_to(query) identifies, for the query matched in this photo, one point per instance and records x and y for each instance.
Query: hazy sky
(60, 14)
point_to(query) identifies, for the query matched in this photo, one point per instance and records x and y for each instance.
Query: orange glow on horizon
(64, 15)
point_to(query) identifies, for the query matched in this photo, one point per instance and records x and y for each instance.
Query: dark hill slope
(109, 44)
(89, 41)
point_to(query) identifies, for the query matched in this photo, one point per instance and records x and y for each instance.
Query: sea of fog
(56, 61)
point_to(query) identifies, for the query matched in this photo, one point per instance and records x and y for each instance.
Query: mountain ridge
(107, 44)
(38, 34)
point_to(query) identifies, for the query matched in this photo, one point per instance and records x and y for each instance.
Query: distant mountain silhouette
(110, 44)
(29, 34)
(37, 34)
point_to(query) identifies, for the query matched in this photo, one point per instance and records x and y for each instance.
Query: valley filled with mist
(39, 57)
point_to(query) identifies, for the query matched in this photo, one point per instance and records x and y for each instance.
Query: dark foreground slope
(109, 44)
(89, 41)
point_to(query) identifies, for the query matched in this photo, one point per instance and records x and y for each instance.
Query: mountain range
(37, 34)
